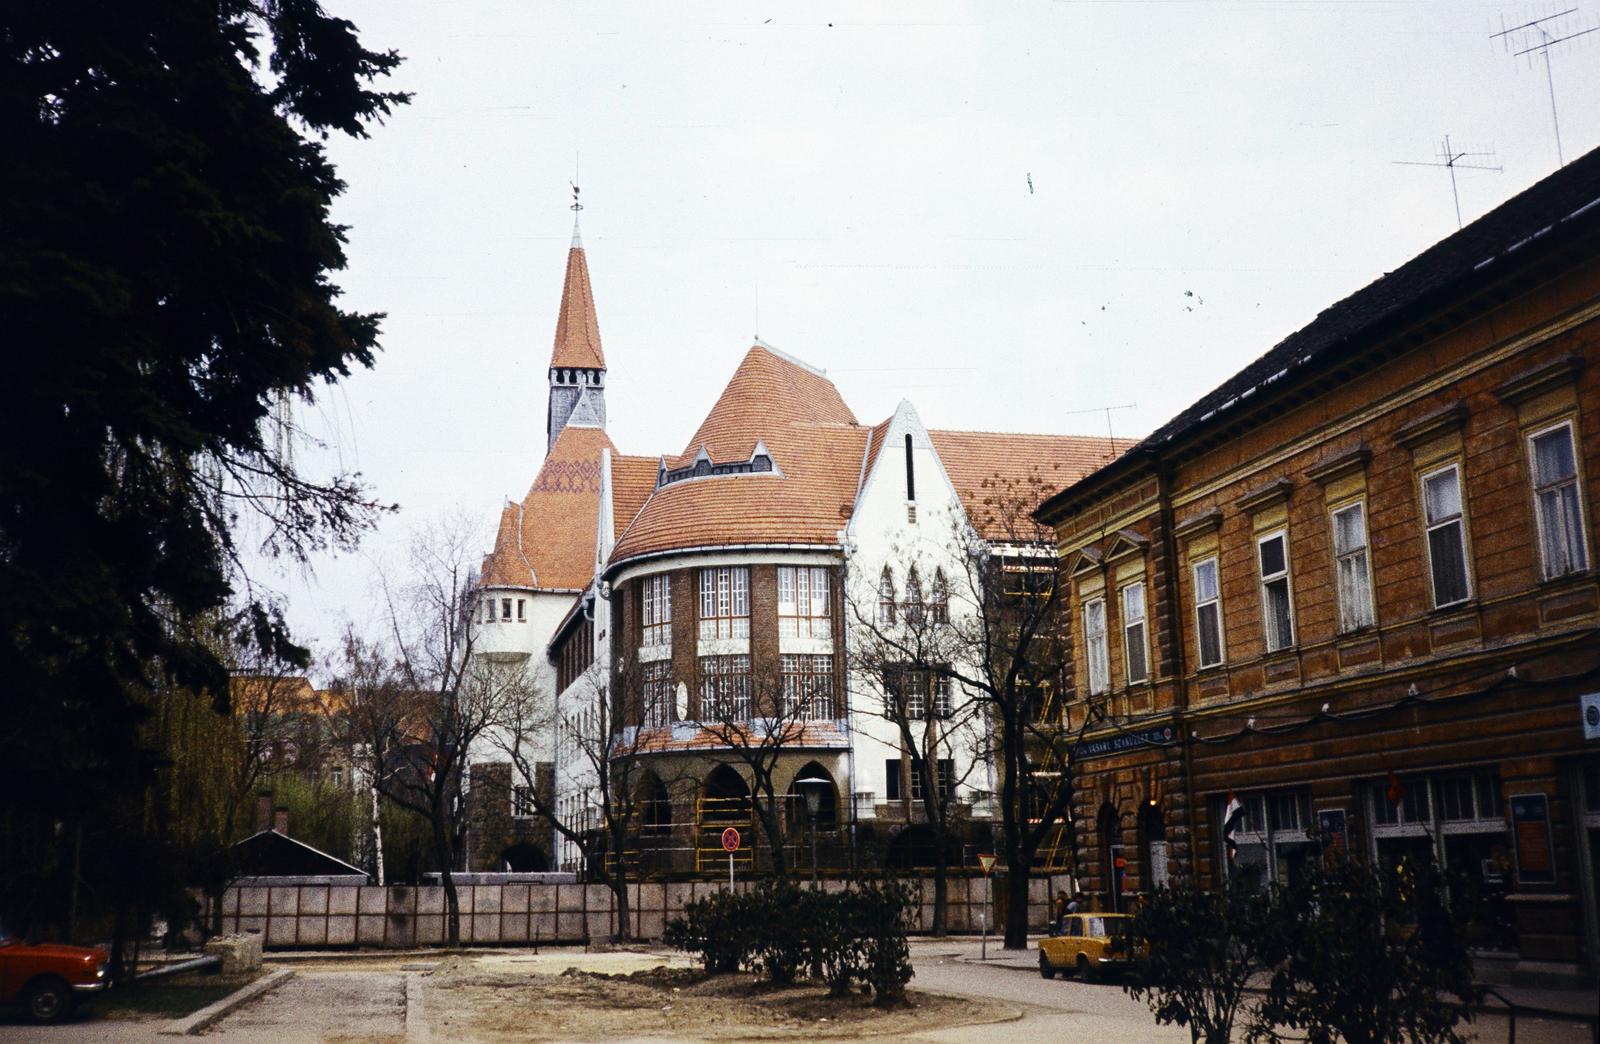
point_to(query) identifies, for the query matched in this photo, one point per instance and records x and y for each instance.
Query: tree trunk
(1017, 907)
(452, 903)
(941, 882)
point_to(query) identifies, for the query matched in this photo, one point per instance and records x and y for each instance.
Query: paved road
(1065, 1009)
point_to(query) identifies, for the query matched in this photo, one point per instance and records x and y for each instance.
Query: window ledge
(1441, 612)
(1573, 579)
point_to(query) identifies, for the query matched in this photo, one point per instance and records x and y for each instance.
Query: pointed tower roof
(577, 328)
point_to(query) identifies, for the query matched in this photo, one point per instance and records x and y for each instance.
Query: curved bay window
(656, 694)
(725, 602)
(725, 688)
(803, 610)
(807, 687)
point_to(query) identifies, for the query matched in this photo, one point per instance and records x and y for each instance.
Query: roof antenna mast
(1450, 157)
(1540, 35)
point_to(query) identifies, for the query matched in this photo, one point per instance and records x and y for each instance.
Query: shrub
(718, 928)
(881, 914)
(1344, 971)
(1202, 951)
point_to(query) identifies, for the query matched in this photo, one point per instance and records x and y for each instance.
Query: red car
(48, 979)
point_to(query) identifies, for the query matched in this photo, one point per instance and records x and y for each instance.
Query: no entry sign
(730, 839)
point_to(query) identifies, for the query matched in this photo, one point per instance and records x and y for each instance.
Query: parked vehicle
(1087, 945)
(49, 979)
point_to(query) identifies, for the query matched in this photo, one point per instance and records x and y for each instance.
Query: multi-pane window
(1094, 640)
(1277, 616)
(656, 610)
(939, 600)
(1133, 633)
(522, 802)
(505, 609)
(945, 775)
(886, 596)
(725, 602)
(656, 693)
(1447, 535)
(1271, 838)
(1208, 612)
(488, 610)
(1352, 567)
(725, 688)
(1555, 498)
(803, 602)
(913, 603)
(807, 687)
(923, 692)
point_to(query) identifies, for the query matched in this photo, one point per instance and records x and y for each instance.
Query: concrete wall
(402, 916)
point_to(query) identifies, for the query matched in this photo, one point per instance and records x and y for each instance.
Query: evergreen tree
(164, 281)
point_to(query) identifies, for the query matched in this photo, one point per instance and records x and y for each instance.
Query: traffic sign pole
(987, 863)
(730, 842)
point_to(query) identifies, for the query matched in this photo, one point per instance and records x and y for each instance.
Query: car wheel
(47, 1000)
(1084, 971)
(1044, 966)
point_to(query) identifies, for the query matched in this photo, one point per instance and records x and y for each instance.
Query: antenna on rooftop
(1111, 438)
(1450, 157)
(1538, 36)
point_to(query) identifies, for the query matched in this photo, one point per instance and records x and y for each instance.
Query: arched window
(913, 603)
(886, 596)
(939, 603)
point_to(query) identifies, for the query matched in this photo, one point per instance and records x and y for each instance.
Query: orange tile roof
(814, 440)
(547, 541)
(632, 480)
(769, 392)
(1001, 476)
(577, 327)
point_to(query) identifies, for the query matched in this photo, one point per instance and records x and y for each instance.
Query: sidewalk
(1580, 1003)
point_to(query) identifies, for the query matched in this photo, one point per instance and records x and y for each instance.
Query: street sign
(986, 862)
(730, 840)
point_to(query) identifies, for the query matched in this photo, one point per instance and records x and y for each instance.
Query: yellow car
(1087, 944)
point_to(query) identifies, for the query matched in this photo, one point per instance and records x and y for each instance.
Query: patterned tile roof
(1001, 476)
(547, 541)
(577, 327)
(815, 443)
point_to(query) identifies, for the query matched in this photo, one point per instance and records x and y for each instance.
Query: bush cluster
(785, 933)
(1346, 954)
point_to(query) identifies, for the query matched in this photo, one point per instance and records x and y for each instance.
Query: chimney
(263, 810)
(280, 820)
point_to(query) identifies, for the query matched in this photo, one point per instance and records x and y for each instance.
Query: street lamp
(811, 789)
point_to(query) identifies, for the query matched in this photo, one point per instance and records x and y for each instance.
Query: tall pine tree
(165, 277)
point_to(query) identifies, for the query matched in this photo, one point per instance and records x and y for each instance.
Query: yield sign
(987, 862)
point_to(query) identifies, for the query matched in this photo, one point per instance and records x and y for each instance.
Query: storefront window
(1270, 842)
(1455, 822)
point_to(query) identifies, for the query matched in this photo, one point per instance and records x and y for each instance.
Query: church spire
(577, 363)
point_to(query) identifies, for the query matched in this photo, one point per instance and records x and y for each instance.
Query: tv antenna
(1540, 35)
(1111, 437)
(1450, 158)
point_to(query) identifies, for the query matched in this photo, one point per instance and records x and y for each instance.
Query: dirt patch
(467, 1000)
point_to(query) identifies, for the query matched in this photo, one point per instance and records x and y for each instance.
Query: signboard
(1162, 736)
(1590, 704)
(1335, 831)
(987, 862)
(730, 840)
(1530, 825)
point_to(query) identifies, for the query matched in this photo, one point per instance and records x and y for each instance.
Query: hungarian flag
(1232, 816)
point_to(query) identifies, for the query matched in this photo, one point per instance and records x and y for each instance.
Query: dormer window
(761, 462)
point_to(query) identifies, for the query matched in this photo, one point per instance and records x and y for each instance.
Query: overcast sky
(1013, 214)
